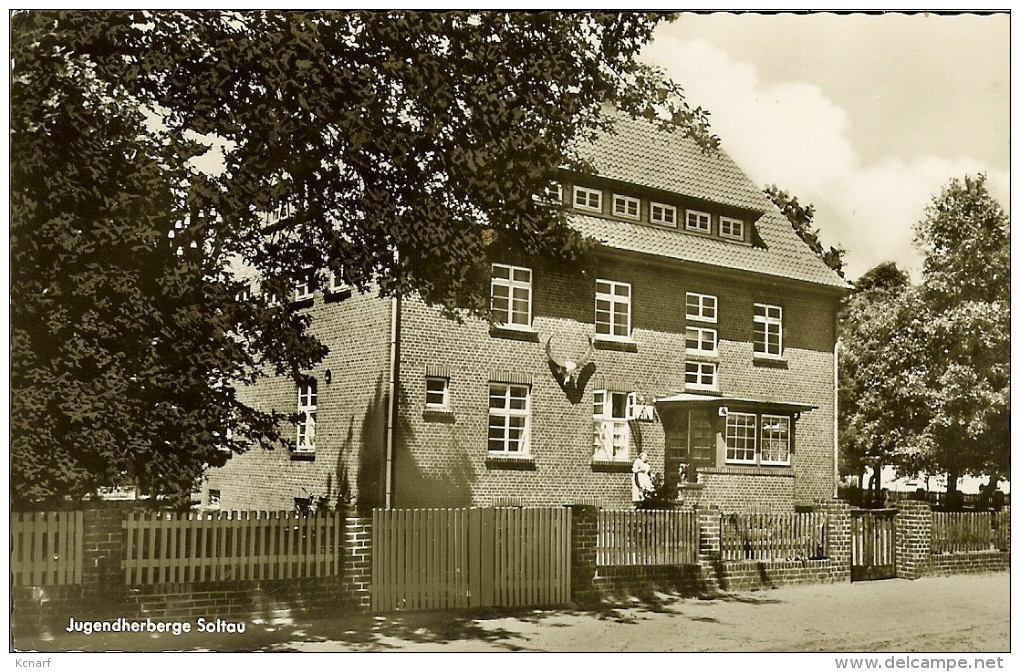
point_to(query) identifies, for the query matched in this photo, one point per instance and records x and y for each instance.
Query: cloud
(793, 135)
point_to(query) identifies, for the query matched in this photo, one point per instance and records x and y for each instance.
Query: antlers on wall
(568, 370)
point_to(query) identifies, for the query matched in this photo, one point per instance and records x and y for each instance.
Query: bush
(661, 496)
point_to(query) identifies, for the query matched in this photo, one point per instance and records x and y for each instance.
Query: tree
(391, 149)
(878, 389)
(924, 371)
(965, 289)
(801, 219)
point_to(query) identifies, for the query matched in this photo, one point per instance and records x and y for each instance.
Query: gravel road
(958, 614)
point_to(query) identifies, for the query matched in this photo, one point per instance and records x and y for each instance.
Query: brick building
(705, 337)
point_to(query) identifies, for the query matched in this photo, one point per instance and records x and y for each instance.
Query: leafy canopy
(390, 148)
(801, 218)
(924, 372)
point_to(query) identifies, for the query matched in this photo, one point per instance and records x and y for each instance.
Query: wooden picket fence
(425, 559)
(966, 531)
(195, 546)
(647, 538)
(771, 536)
(47, 548)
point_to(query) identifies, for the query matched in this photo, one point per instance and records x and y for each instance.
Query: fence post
(709, 547)
(583, 541)
(838, 537)
(103, 555)
(913, 538)
(357, 550)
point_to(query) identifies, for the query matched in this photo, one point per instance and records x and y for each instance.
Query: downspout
(391, 395)
(835, 418)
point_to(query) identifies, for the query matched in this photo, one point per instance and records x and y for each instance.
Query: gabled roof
(639, 153)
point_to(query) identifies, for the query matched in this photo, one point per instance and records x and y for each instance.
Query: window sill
(748, 470)
(337, 294)
(444, 415)
(602, 342)
(522, 463)
(514, 333)
(610, 466)
(306, 302)
(302, 455)
(775, 362)
(702, 356)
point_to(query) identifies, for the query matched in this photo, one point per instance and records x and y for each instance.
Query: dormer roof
(641, 154)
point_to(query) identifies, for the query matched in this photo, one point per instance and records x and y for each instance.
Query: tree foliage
(389, 148)
(801, 219)
(924, 371)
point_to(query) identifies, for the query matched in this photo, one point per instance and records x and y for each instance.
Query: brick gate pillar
(583, 539)
(709, 549)
(103, 577)
(913, 538)
(837, 537)
(357, 566)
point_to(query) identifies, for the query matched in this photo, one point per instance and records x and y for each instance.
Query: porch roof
(688, 399)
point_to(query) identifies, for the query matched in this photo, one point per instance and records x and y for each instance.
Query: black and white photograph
(493, 330)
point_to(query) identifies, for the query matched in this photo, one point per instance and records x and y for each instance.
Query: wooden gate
(873, 548)
(424, 559)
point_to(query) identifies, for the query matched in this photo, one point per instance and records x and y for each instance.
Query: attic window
(625, 206)
(731, 228)
(699, 221)
(662, 214)
(551, 195)
(587, 199)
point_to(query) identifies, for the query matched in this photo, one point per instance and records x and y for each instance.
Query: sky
(864, 116)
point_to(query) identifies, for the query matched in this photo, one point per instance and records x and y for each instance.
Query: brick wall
(975, 562)
(914, 558)
(351, 417)
(441, 459)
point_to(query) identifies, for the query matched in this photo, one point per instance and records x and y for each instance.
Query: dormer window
(699, 221)
(551, 195)
(660, 213)
(625, 206)
(731, 228)
(587, 199)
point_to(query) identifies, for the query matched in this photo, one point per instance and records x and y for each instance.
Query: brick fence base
(977, 562)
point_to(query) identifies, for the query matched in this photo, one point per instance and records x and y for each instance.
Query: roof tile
(639, 153)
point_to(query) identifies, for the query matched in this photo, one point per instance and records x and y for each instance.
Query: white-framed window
(611, 426)
(552, 194)
(700, 375)
(702, 307)
(308, 400)
(775, 439)
(587, 199)
(511, 295)
(702, 341)
(660, 213)
(336, 283)
(245, 293)
(437, 392)
(302, 289)
(699, 221)
(214, 498)
(612, 309)
(625, 206)
(741, 437)
(731, 228)
(509, 419)
(768, 330)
